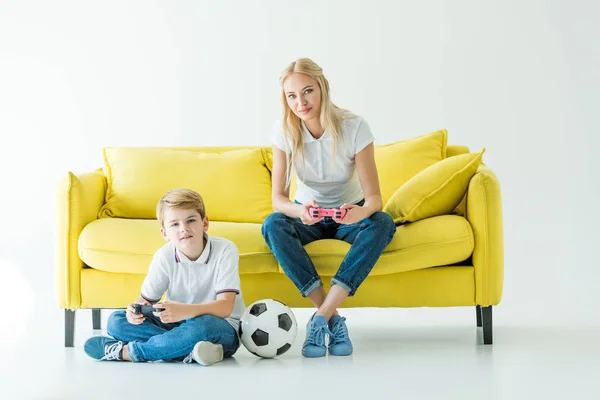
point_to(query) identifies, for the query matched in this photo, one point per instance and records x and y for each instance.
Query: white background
(520, 78)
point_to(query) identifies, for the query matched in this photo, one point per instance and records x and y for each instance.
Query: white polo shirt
(330, 184)
(196, 282)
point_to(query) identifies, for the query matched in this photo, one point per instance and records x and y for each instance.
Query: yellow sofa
(107, 234)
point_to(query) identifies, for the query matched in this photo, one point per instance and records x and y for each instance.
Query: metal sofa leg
(96, 318)
(486, 316)
(478, 313)
(69, 327)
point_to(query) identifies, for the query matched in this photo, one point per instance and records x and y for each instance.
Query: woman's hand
(132, 318)
(305, 215)
(174, 311)
(354, 214)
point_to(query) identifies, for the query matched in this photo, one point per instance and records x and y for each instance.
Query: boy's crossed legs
(206, 339)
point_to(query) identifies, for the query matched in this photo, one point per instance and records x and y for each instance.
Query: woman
(331, 151)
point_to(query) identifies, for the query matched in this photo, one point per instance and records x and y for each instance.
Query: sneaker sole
(207, 353)
(338, 353)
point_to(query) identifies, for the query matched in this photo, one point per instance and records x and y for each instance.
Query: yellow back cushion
(400, 161)
(437, 190)
(235, 185)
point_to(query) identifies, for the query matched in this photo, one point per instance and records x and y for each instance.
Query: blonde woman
(331, 152)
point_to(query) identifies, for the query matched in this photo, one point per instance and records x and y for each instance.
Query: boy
(204, 303)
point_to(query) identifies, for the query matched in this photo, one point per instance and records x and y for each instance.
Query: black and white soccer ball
(268, 328)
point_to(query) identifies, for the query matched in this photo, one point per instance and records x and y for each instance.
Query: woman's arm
(369, 180)
(280, 195)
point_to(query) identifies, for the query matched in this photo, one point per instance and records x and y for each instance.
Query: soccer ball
(268, 328)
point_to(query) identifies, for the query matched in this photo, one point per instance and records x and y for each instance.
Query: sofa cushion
(400, 161)
(127, 245)
(431, 287)
(431, 242)
(235, 185)
(437, 190)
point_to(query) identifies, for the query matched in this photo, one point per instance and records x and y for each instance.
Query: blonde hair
(331, 116)
(181, 199)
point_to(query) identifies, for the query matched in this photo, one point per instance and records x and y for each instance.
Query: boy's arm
(175, 311)
(156, 282)
(132, 317)
(222, 307)
(142, 301)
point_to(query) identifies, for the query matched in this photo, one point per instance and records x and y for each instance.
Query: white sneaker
(205, 353)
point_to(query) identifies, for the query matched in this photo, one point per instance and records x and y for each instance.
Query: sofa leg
(478, 313)
(69, 327)
(96, 317)
(486, 316)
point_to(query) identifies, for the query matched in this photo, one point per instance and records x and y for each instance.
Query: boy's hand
(305, 217)
(132, 318)
(174, 311)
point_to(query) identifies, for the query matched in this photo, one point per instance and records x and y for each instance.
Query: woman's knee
(273, 219)
(275, 222)
(385, 223)
(115, 322)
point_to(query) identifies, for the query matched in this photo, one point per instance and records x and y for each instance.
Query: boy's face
(185, 229)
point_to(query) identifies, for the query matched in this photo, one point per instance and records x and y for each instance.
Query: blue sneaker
(104, 348)
(314, 345)
(339, 340)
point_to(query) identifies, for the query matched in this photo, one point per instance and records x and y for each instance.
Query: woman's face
(303, 96)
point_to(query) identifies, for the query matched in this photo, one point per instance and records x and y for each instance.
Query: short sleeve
(278, 139)
(228, 278)
(364, 137)
(156, 282)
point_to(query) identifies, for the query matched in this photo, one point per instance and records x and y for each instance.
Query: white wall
(518, 77)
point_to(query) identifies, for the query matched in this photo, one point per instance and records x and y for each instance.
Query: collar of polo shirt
(204, 257)
(309, 138)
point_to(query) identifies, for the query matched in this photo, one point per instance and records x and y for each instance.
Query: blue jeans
(286, 237)
(153, 340)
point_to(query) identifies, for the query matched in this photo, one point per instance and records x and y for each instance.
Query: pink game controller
(337, 213)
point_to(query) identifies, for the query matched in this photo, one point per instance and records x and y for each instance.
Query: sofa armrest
(484, 213)
(80, 197)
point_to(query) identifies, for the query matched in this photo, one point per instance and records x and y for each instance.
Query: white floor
(399, 353)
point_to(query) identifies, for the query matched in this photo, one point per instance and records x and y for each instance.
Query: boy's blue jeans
(286, 237)
(153, 340)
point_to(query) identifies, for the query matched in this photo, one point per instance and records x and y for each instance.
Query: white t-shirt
(196, 282)
(330, 182)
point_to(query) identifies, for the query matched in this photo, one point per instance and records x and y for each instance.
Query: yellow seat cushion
(437, 190)
(400, 161)
(235, 185)
(431, 242)
(127, 245)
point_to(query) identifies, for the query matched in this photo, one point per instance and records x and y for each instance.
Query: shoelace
(339, 334)
(113, 351)
(316, 336)
(188, 359)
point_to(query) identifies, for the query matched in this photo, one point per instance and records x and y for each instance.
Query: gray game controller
(146, 311)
